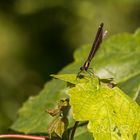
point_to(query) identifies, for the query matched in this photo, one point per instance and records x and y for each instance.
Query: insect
(96, 44)
(95, 47)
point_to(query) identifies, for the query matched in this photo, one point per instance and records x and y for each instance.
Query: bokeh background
(38, 37)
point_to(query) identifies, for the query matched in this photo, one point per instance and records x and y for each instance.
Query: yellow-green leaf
(112, 115)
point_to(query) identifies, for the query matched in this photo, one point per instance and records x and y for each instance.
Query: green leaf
(118, 57)
(83, 134)
(112, 115)
(33, 116)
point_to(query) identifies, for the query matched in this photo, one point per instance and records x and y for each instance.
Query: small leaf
(58, 126)
(53, 112)
(60, 123)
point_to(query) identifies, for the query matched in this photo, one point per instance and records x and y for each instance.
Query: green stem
(74, 130)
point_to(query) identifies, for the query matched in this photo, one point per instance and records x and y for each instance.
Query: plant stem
(73, 130)
(24, 137)
(79, 125)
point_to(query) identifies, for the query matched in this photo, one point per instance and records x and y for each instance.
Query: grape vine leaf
(112, 114)
(118, 57)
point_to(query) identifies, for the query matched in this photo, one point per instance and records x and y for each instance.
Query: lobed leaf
(112, 115)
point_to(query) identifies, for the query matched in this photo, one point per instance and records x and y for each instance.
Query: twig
(73, 130)
(24, 137)
(79, 125)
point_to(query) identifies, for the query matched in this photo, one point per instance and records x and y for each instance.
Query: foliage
(117, 58)
(32, 30)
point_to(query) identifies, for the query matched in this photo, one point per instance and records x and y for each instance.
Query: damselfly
(95, 47)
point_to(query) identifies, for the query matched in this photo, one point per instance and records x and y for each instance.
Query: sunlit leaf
(112, 114)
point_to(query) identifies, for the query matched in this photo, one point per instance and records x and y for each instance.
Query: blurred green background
(37, 38)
